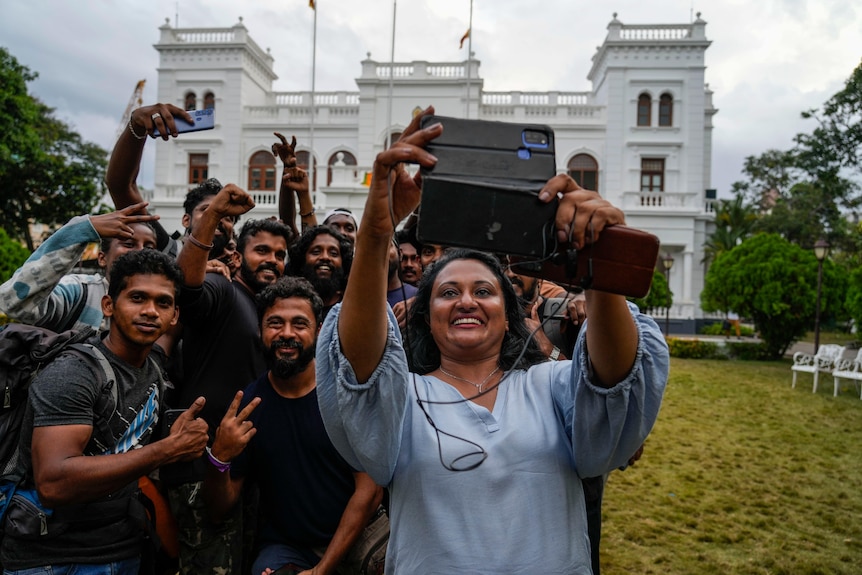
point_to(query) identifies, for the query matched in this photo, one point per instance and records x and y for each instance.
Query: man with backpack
(73, 512)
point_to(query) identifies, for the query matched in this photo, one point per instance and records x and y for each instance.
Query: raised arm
(32, 294)
(126, 157)
(221, 490)
(362, 324)
(230, 201)
(612, 337)
(294, 182)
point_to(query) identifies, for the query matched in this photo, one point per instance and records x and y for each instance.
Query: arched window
(340, 158)
(665, 110)
(261, 171)
(191, 101)
(302, 162)
(392, 139)
(209, 101)
(585, 170)
(644, 110)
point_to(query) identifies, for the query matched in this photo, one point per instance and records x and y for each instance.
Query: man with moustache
(408, 248)
(323, 257)
(221, 352)
(313, 505)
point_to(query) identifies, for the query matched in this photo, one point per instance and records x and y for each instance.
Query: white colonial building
(642, 136)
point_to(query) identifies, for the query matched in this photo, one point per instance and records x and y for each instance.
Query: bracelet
(220, 465)
(555, 353)
(196, 242)
(132, 130)
(310, 213)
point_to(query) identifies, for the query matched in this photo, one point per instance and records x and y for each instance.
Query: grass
(741, 475)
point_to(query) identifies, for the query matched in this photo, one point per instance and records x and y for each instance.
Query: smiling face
(323, 255)
(262, 260)
(143, 310)
(467, 312)
(289, 333)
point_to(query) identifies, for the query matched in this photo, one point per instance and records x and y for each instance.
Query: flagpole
(391, 78)
(469, 57)
(311, 162)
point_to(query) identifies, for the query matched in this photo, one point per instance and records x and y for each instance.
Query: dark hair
(300, 248)
(197, 194)
(287, 287)
(424, 355)
(408, 236)
(253, 227)
(143, 262)
(105, 243)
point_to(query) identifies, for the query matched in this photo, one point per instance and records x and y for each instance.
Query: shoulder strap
(75, 312)
(107, 371)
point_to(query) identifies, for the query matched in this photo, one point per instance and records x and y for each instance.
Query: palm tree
(734, 221)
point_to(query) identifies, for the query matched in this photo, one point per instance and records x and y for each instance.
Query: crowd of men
(230, 311)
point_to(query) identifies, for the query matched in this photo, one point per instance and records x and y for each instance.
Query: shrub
(693, 349)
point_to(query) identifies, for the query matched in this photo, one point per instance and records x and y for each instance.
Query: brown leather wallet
(621, 262)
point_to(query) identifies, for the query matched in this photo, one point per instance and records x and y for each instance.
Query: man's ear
(186, 221)
(176, 317)
(107, 304)
(102, 260)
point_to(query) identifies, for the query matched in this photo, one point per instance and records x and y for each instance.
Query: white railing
(396, 71)
(322, 99)
(535, 98)
(264, 198)
(662, 201)
(653, 32)
(205, 35)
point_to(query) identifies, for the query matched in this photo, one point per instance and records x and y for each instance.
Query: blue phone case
(203, 120)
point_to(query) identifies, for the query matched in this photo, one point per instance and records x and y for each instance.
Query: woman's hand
(582, 214)
(406, 190)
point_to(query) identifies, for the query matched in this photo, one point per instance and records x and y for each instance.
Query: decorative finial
(368, 55)
(240, 19)
(698, 15)
(615, 15)
(167, 21)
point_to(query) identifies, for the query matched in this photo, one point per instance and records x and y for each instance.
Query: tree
(734, 221)
(773, 282)
(12, 255)
(768, 176)
(47, 172)
(659, 296)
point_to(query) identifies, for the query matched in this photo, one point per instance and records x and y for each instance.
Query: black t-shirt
(304, 483)
(67, 392)
(222, 352)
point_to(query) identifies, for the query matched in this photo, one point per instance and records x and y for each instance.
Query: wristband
(221, 466)
(196, 242)
(310, 213)
(555, 353)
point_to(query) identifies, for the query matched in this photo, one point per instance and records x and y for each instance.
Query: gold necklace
(478, 386)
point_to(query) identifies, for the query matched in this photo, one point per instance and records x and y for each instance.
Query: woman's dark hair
(424, 355)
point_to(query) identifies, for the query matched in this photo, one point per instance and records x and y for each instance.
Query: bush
(693, 349)
(748, 351)
(717, 329)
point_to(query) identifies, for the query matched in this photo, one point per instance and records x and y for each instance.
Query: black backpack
(24, 351)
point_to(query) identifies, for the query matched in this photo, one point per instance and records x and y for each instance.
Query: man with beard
(323, 257)
(221, 352)
(313, 505)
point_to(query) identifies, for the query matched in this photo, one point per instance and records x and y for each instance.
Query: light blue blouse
(522, 509)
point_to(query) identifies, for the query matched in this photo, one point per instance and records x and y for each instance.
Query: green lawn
(742, 474)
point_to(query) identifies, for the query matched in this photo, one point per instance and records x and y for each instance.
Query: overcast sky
(769, 60)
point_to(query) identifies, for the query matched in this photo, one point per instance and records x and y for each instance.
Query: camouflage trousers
(208, 548)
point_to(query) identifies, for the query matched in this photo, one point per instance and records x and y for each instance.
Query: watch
(555, 354)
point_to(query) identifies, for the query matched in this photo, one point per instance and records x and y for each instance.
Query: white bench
(823, 361)
(848, 369)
